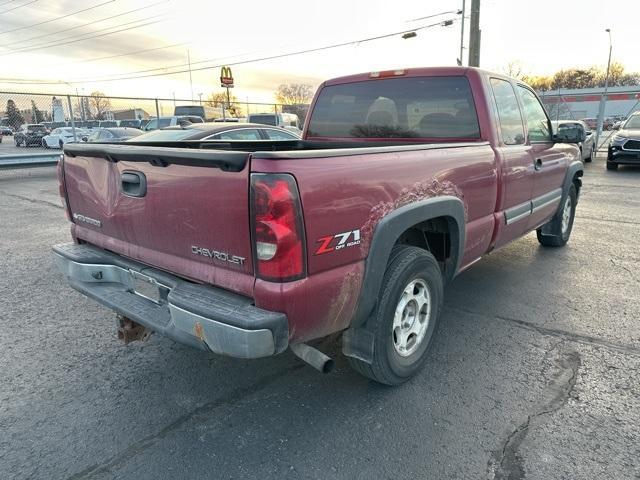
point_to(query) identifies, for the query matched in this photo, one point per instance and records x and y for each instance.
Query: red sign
(226, 77)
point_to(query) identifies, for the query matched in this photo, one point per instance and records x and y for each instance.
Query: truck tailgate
(191, 216)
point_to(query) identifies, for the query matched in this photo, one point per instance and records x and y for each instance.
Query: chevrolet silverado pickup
(402, 180)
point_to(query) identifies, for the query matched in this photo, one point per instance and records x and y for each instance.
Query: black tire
(17, 143)
(552, 234)
(406, 265)
(612, 165)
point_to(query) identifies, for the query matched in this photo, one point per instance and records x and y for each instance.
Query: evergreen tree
(14, 118)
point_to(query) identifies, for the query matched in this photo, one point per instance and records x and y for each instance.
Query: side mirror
(570, 134)
(616, 126)
(84, 139)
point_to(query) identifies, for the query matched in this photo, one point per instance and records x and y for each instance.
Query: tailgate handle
(134, 184)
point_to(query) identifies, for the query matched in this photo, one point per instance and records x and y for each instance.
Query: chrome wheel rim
(566, 214)
(411, 318)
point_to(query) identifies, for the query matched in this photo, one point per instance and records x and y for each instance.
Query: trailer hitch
(130, 331)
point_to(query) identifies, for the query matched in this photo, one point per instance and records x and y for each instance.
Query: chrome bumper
(201, 316)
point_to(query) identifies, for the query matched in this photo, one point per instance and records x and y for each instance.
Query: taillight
(278, 234)
(62, 190)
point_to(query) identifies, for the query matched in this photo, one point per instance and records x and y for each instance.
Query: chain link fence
(82, 113)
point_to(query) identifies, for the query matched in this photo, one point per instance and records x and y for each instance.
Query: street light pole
(460, 59)
(603, 98)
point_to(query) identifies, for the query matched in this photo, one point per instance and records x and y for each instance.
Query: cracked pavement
(534, 373)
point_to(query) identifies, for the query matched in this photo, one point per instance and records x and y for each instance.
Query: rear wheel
(406, 317)
(556, 233)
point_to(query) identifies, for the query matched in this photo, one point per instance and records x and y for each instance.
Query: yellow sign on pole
(226, 77)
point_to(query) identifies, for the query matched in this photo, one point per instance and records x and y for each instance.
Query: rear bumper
(200, 316)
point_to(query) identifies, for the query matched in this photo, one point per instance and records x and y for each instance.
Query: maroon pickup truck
(402, 180)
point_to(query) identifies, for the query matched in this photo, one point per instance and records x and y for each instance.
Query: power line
(19, 6)
(435, 15)
(84, 24)
(125, 54)
(242, 62)
(271, 57)
(90, 36)
(57, 18)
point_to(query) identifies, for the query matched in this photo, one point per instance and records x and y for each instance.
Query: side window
(508, 112)
(537, 120)
(242, 134)
(274, 134)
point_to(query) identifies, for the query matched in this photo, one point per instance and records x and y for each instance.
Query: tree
(14, 118)
(514, 69)
(591, 77)
(36, 115)
(295, 98)
(294, 93)
(219, 99)
(99, 105)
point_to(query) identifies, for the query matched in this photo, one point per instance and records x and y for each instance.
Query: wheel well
(577, 181)
(435, 236)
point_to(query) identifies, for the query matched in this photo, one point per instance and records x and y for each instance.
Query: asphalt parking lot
(8, 147)
(535, 372)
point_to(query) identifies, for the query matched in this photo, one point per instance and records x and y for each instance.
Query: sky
(41, 52)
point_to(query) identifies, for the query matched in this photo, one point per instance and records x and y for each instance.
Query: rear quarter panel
(348, 193)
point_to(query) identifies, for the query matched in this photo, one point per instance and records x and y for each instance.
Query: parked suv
(30, 134)
(624, 146)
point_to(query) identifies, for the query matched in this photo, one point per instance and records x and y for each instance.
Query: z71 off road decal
(338, 241)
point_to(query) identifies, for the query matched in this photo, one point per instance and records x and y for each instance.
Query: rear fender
(358, 340)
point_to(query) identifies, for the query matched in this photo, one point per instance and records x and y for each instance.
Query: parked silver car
(588, 147)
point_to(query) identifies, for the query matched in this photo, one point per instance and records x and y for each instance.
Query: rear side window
(279, 134)
(421, 107)
(164, 122)
(537, 120)
(242, 134)
(509, 114)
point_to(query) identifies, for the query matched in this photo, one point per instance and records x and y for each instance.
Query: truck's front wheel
(556, 233)
(405, 318)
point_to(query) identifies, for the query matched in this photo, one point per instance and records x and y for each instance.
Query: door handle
(537, 164)
(134, 184)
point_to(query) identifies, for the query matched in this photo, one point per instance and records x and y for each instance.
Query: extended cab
(402, 180)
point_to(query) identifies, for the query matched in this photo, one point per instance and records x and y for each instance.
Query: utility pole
(461, 57)
(190, 79)
(474, 34)
(603, 98)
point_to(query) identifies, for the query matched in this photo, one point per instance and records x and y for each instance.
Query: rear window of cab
(401, 108)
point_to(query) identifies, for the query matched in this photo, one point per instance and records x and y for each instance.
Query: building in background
(576, 104)
(57, 110)
(129, 114)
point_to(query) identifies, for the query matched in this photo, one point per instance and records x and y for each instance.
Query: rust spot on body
(199, 331)
(416, 192)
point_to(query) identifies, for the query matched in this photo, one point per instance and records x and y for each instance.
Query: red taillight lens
(279, 248)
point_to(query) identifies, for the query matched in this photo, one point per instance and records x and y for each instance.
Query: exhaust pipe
(313, 357)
